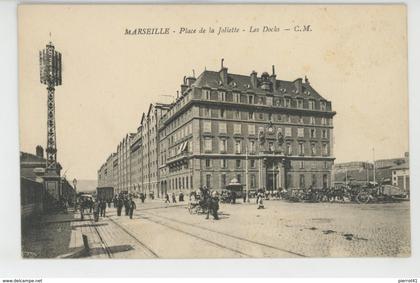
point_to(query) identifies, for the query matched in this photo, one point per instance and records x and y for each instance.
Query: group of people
(180, 197)
(126, 201)
(97, 206)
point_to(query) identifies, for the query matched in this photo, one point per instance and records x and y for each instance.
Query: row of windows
(251, 129)
(252, 147)
(179, 104)
(252, 115)
(253, 163)
(181, 119)
(179, 183)
(264, 100)
(180, 134)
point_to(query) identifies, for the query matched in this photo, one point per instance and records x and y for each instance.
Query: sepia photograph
(213, 131)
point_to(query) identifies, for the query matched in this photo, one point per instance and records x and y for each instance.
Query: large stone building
(116, 171)
(135, 163)
(257, 130)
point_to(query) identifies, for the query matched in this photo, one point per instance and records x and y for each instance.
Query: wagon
(378, 193)
(235, 187)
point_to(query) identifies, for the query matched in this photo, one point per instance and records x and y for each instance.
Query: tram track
(237, 238)
(242, 254)
(169, 222)
(103, 243)
(143, 245)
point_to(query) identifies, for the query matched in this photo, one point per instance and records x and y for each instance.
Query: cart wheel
(362, 198)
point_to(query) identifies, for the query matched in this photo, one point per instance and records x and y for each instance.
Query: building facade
(136, 159)
(401, 177)
(223, 127)
(263, 132)
(116, 170)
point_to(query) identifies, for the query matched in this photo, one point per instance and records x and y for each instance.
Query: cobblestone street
(282, 229)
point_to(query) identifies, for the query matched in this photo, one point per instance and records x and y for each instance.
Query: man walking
(96, 209)
(126, 205)
(132, 207)
(167, 198)
(119, 206)
(82, 209)
(173, 198)
(103, 208)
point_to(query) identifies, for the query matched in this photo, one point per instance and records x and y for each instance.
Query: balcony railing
(177, 157)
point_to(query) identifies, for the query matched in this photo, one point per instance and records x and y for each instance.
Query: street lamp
(75, 193)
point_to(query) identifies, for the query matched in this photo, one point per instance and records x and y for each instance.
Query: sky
(355, 56)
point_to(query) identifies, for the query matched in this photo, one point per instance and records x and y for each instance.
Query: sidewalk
(61, 236)
(50, 236)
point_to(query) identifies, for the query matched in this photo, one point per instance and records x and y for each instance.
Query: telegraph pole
(50, 75)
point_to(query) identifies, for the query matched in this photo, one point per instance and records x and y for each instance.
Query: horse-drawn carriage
(203, 202)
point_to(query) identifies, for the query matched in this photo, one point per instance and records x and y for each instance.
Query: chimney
(273, 78)
(298, 85)
(190, 81)
(184, 85)
(223, 73)
(39, 151)
(254, 81)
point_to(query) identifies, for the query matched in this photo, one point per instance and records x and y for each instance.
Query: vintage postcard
(213, 131)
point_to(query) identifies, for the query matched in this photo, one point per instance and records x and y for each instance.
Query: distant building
(356, 171)
(384, 168)
(135, 163)
(116, 171)
(359, 171)
(401, 175)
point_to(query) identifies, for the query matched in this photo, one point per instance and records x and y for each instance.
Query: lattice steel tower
(50, 75)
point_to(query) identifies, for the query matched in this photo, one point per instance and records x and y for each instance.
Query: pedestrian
(119, 206)
(173, 198)
(82, 209)
(96, 209)
(233, 197)
(132, 207)
(126, 205)
(103, 208)
(244, 197)
(213, 205)
(90, 205)
(167, 198)
(142, 197)
(260, 198)
(115, 200)
(109, 203)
